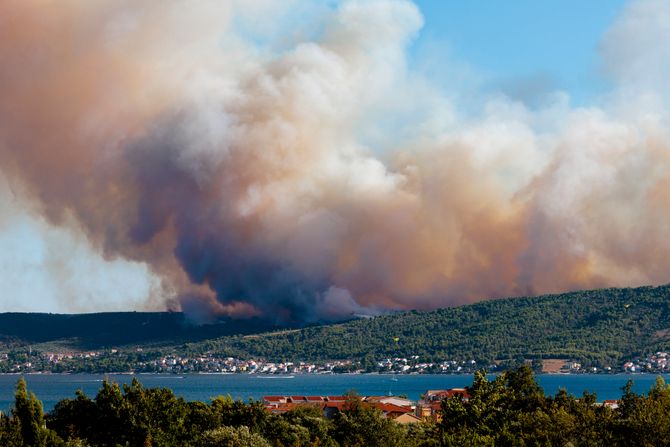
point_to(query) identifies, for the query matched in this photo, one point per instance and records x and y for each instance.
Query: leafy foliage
(92, 331)
(508, 410)
(598, 327)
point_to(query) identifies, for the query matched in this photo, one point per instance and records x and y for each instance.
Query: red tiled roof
(457, 392)
(336, 398)
(281, 408)
(444, 394)
(391, 408)
(273, 398)
(314, 398)
(340, 405)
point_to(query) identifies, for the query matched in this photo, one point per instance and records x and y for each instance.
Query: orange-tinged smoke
(294, 184)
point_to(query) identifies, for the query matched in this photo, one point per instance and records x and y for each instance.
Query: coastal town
(397, 408)
(138, 361)
(400, 409)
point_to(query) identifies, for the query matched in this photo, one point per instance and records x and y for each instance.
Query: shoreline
(176, 374)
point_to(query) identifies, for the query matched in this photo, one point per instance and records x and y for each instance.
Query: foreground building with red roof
(430, 406)
(330, 405)
(393, 407)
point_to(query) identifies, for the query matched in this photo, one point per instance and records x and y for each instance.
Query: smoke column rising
(318, 176)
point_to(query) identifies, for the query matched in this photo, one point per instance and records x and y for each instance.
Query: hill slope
(598, 327)
(92, 331)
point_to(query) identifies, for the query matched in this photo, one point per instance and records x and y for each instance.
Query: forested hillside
(597, 327)
(99, 330)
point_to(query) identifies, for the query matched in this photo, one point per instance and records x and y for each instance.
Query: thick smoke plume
(310, 174)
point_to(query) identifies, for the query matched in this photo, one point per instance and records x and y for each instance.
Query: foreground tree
(512, 410)
(362, 425)
(29, 417)
(233, 437)
(10, 432)
(644, 420)
(507, 410)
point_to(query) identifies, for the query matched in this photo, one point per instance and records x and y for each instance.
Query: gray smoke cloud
(318, 177)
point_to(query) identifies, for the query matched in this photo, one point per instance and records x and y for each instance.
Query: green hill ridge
(597, 327)
(114, 329)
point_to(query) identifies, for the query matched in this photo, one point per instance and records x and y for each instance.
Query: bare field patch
(552, 365)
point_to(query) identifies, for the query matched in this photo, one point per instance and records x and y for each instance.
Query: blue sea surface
(50, 388)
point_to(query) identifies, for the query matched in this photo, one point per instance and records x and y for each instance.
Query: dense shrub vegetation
(510, 410)
(98, 330)
(598, 328)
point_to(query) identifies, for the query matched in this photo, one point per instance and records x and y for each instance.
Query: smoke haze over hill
(312, 174)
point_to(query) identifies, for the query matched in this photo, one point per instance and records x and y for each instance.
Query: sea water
(50, 388)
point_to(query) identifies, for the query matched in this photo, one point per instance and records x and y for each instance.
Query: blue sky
(547, 44)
